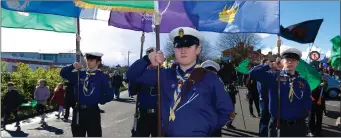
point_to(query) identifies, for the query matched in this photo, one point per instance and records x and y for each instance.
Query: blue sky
(115, 42)
(293, 12)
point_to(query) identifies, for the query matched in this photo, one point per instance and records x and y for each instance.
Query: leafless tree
(239, 43)
(205, 53)
(230, 40)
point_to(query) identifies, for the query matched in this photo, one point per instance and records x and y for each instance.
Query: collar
(91, 70)
(285, 73)
(182, 73)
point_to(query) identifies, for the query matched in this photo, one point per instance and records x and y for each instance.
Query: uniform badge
(181, 32)
(283, 79)
(301, 84)
(173, 86)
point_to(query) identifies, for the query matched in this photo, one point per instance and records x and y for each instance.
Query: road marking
(122, 120)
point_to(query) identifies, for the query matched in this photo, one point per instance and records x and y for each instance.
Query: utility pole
(128, 57)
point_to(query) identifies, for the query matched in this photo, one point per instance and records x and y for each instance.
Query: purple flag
(174, 16)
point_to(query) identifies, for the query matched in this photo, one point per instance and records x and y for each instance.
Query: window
(21, 55)
(14, 55)
(14, 68)
(61, 56)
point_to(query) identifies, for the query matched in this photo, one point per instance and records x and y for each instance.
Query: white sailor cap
(185, 37)
(292, 53)
(93, 55)
(149, 50)
(210, 63)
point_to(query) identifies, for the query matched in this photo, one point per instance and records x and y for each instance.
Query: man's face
(289, 64)
(10, 87)
(187, 55)
(92, 63)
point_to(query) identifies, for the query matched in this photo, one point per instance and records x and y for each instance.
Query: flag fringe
(82, 4)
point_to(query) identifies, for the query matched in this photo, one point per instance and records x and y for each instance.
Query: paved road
(118, 119)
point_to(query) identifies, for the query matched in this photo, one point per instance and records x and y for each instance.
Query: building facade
(56, 58)
(35, 59)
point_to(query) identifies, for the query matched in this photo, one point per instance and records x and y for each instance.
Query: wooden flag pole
(157, 21)
(78, 59)
(279, 43)
(142, 43)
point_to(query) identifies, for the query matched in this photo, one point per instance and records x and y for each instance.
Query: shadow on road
(57, 131)
(240, 133)
(126, 100)
(17, 133)
(333, 114)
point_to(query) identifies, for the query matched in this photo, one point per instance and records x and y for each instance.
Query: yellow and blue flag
(235, 16)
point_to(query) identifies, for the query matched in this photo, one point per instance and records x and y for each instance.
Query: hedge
(25, 80)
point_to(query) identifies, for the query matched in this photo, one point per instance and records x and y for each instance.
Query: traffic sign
(314, 55)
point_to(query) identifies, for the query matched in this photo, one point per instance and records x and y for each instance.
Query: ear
(198, 50)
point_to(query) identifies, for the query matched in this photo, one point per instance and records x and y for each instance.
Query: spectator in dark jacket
(12, 101)
(116, 81)
(252, 95)
(68, 99)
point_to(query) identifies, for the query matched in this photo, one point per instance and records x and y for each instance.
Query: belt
(292, 122)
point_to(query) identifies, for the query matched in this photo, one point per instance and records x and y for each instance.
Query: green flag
(242, 67)
(335, 52)
(309, 73)
(122, 6)
(37, 21)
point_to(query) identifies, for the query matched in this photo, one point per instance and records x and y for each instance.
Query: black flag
(304, 32)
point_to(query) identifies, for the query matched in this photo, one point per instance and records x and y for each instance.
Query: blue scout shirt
(263, 91)
(301, 104)
(99, 89)
(147, 97)
(203, 110)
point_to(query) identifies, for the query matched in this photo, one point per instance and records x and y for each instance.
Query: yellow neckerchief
(291, 84)
(86, 80)
(177, 92)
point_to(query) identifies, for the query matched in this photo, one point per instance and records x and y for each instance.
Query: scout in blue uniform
(215, 67)
(264, 106)
(193, 100)
(295, 97)
(147, 104)
(94, 89)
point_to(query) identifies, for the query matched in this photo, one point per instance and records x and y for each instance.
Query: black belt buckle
(151, 110)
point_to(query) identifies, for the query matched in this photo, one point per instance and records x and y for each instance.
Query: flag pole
(157, 21)
(279, 43)
(78, 59)
(142, 43)
(137, 114)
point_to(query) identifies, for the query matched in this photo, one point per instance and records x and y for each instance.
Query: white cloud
(263, 35)
(274, 50)
(328, 53)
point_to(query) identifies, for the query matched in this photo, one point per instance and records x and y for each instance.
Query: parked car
(333, 90)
